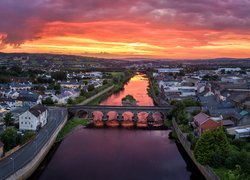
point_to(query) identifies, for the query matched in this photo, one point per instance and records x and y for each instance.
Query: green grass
(70, 125)
(117, 74)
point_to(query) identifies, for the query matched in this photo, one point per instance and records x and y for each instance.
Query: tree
(28, 135)
(91, 87)
(115, 80)
(70, 101)
(9, 138)
(8, 119)
(60, 75)
(105, 82)
(48, 101)
(57, 87)
(211, 147)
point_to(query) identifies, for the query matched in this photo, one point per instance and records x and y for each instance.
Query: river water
(137, 87)
(114, 154)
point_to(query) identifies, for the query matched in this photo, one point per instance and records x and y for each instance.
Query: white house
(65, 95)
(20, 86)
(34, 118)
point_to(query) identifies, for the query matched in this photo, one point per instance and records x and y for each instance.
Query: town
(201, 101)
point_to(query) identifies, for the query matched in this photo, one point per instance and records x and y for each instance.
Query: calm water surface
(137, 87)
(97, 154)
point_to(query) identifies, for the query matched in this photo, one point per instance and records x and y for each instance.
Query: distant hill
(74, 61)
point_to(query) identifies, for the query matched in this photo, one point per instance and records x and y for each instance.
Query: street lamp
(13, 164)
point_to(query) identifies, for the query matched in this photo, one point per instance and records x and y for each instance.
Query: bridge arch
(127, 116)
(82, 114)
(98, 118)
(97, 115)
(158, 119)
(142, 116)
(112, 117)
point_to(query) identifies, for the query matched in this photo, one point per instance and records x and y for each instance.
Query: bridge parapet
(80, 110)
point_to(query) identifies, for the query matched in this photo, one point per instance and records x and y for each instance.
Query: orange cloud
(146, 28)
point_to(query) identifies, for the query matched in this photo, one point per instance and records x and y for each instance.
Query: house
(10, 103)
(228, 69)
(34, 118)
(242, 133)
(17, 112)
(27, 98)
(65, 95)
(203, 122)
(169, 70)
(233, 79)
(1, 149)
(20, 86)
(73, 85)
(9, 94)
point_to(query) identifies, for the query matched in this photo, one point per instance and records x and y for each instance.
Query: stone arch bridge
(87, 111)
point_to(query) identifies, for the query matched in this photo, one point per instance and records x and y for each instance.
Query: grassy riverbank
(70, 126)
(119, 80)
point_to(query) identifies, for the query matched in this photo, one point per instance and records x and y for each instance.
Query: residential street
(20, 158)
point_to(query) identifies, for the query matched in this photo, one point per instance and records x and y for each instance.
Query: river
(137, 87)
(114, 154)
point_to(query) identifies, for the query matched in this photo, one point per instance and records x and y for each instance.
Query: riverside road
(20, 158)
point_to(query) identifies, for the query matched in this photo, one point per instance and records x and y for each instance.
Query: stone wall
(207, 172)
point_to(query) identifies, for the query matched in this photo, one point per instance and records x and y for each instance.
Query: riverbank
(153, 90)
(96, 96)
(70, 126)
(119, 86)
(207, 172)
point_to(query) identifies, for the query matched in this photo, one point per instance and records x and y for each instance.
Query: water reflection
(117, 154)
(137, 87)
(127, 116)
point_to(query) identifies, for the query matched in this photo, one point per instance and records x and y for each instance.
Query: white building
(232, 79)
(20, 86)
(242, 133)
(169, 70)
(228, 69)
(34, 118)
(65, 96)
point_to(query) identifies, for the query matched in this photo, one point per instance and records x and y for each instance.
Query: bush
(185, 128)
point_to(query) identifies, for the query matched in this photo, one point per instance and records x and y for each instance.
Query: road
(24, 155)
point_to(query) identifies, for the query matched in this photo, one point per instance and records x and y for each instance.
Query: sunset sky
(127, 28)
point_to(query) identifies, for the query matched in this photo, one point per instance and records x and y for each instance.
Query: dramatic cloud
(127, 27)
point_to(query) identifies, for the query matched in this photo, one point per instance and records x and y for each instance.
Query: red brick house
(203, 122)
